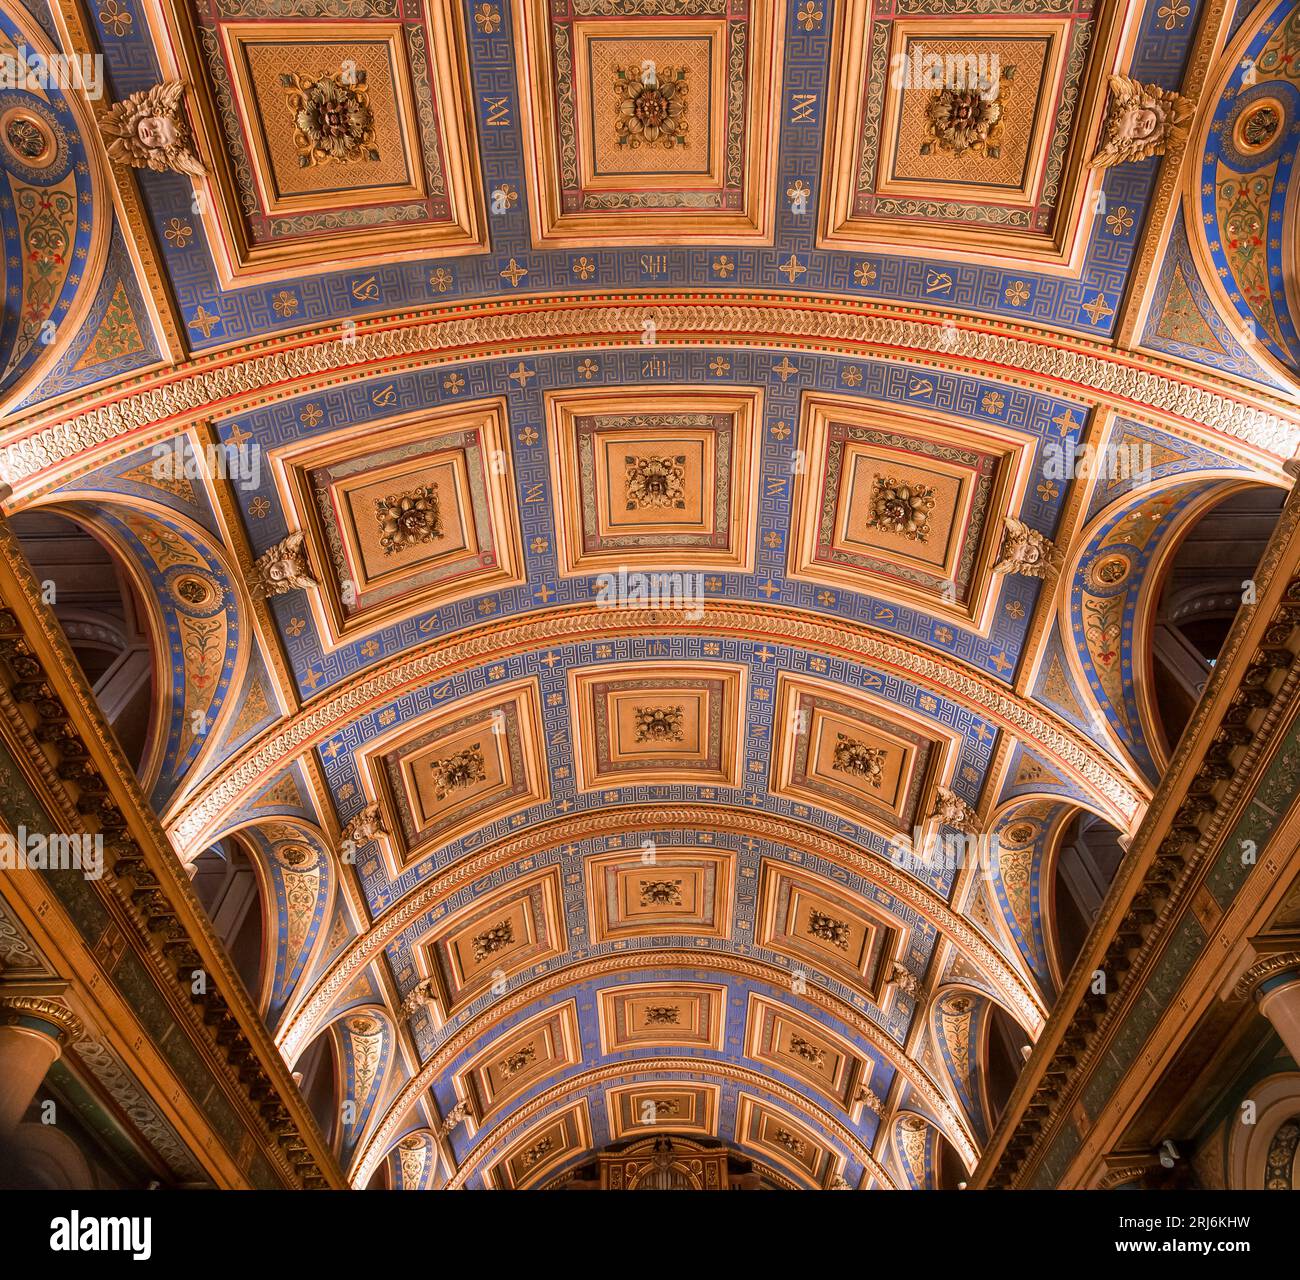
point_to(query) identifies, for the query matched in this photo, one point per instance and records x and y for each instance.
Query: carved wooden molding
(88, 776)
(1250, 699)
(53, 444)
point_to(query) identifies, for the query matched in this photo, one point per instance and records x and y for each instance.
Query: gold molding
(552, 227)
(500, 1173)
(705, 1124)
(563, 407)
(239, 552)
(48, 447)
(1015, 453)
(237, 260)
(17, 1003)
(292, 465)
(1058, 251)
(473, 1083)
(1271, 966)
(955, 1125)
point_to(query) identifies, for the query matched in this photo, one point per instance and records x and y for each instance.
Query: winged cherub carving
(282, 568)
(149, 131)
(1141, 120)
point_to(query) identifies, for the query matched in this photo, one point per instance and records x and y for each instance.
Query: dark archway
(1202, 589)
(107, 626)
(317, 1077)
(227, 888)
(1082, 870)
(1004, 1059)
(951, 1174)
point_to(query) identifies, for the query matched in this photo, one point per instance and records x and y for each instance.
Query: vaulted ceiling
(599, 526)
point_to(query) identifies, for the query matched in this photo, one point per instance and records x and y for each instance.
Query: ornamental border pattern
(173, 398)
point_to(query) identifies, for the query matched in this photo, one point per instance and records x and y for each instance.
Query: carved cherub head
(282, 568)
(155, 132)
(147, 130)
(1141, 120)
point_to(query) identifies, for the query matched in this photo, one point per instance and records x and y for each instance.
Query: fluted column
(1274, 982)
(33, 1031)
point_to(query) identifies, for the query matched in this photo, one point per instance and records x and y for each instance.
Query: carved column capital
(41, 1014)
(1265, 971)
(1120, 1167)
(35, 1025)
(1273, 981)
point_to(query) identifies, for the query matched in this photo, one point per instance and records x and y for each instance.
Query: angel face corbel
(282, 568)
(155, 132)
(147, 130)
(1141, 120)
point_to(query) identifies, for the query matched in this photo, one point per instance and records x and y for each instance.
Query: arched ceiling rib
(1064, 746)
(50, 446)
(665, 1066)
(633, 820)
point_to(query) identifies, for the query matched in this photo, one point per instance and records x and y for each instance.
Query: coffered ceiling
(611, 514)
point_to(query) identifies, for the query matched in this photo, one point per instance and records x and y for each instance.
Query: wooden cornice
(81, 766)
(1251, 701)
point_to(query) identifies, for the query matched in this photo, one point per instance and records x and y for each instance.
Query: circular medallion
(26, 138)
(297, 856)
(1020, 833)
(1109, 571)
(1257, 127)
(194, 593)
(33, 141)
